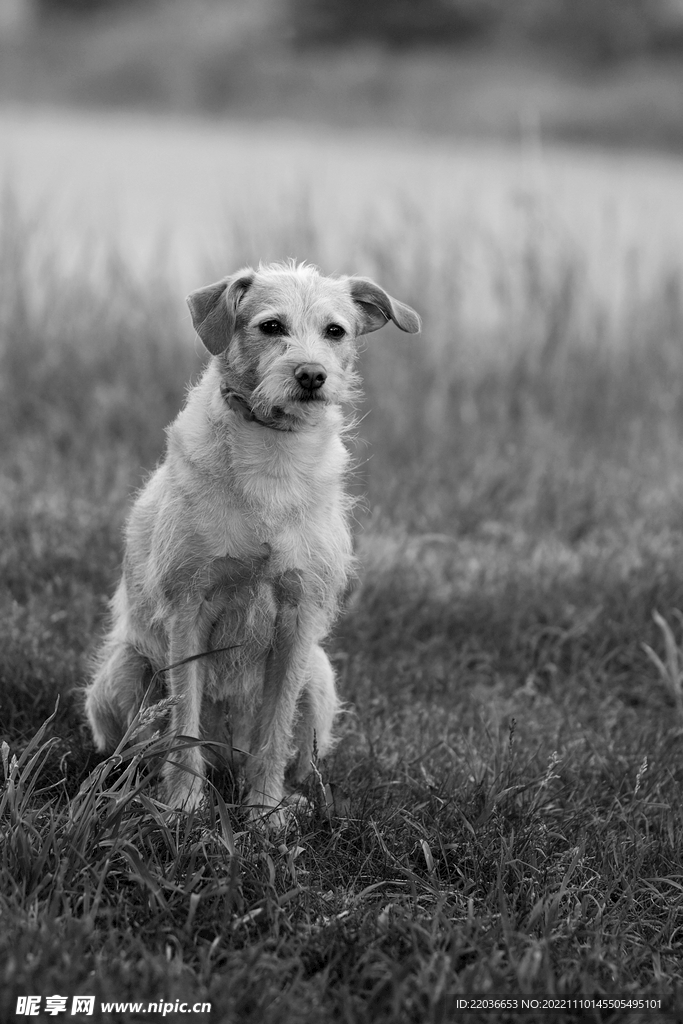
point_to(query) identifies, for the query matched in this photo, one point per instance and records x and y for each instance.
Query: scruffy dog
(238, 547)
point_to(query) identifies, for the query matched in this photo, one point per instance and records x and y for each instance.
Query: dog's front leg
(184, 770)
(284, 677)
(197, 611)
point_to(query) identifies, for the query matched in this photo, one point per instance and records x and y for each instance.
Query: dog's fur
(240, 538)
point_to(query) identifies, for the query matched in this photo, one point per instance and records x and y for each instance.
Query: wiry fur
(240, 538)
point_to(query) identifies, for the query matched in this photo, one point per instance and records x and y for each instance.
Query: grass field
(503, 813)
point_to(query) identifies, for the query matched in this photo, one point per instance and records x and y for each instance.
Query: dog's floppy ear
(377, 307)
(214, 309)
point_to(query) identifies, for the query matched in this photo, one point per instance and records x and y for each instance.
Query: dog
(238, 548)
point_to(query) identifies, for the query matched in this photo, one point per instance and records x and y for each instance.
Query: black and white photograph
(341, 511)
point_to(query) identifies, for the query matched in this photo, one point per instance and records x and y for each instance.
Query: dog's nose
(311, 375)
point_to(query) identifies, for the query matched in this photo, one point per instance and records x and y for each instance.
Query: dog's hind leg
(114, 696)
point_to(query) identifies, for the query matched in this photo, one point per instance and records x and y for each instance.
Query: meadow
(503, 812)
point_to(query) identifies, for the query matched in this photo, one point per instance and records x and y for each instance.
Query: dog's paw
(275, 820)
(297, 803)
(268, 817)
(183, 792)
(280, 817)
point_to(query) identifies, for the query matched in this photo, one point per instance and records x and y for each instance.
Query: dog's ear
(377, 307)
(214, 309)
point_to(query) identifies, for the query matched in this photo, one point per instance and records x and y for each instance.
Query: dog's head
(286, 335)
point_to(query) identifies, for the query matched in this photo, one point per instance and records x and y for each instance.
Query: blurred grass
(246, 61)
(507, 812)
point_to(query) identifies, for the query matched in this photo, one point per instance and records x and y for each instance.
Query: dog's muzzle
(310, 376)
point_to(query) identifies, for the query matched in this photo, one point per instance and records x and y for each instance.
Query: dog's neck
(241, 407)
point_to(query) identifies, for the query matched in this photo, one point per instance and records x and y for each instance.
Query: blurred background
(510, 167)
(586, 70)
(171, 125)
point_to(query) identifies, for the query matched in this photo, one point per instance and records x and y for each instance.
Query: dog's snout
(311, 376)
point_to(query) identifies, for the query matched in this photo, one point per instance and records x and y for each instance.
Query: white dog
(238, 548)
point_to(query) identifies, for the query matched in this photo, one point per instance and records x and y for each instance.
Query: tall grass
(503, 812)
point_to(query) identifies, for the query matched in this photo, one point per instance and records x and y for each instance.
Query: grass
(503, 812)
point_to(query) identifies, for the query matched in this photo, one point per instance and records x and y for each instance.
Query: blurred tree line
(600, 30)
(66, 7)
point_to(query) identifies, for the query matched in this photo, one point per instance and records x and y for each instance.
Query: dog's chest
(295, 504)
(318, 545)
(311, 537)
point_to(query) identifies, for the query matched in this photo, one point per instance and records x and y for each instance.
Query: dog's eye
(335, 331)
(272, 327)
